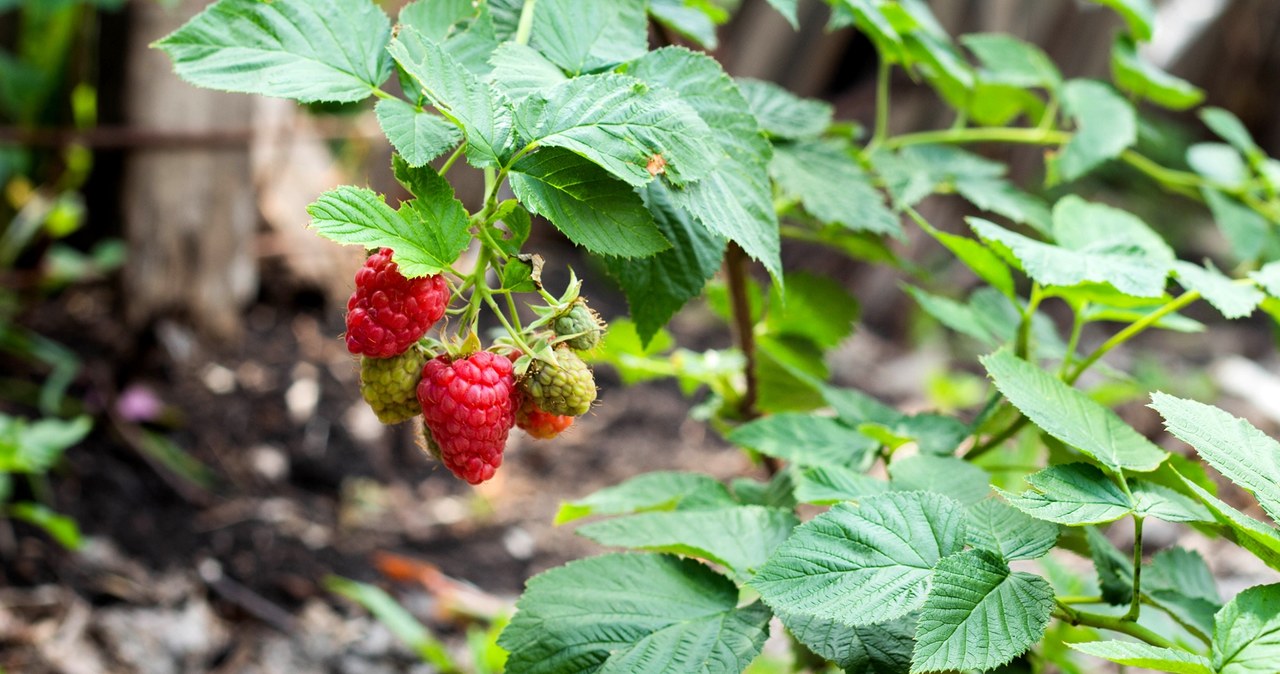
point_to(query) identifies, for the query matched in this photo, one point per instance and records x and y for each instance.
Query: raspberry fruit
(582, 322)
(567, 389)
(390, 385)
(388, 312)
(539, 423)
(468, 409)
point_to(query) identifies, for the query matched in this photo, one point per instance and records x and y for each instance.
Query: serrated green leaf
(520, 71)
(776, 493)
(1231, 129)
(863, 565)
(620, 123)
(870, 649)
(658, 286)
(1179, 582)
(435, 19)
(660, 490)
(979, 614)
(1115, 569)
(1106, 125)
(935, 434)
(421, 242)
(473, 41)
(1137, 654)
(419, 136)
(870, 20)
(689, 21)
(736, 199)
(915, 172)
(978, 258)
(1160, 502)
(483, 113)
(307, 50)
(1073, 494)
(855, 407)
(1137, 77)
(1246, 637)
(804, 439)
(1071, 416)
(781, 113)
(592, 208)
(815, 308)
(1247, 231)
(506, 17)
(35, 446)
(1139, 15)
(1233, 300)
(650, 614)
(959, 317)
(1008, 60)
(1009, 533)
(1260, 539)
(954, 478)
(1268, 277)
(1083, 226)
(999, 196)
(740, 538)
(1237, 449)
(438, 221)
(63, 529)
(826, 485)
(1219, 162)
(831, 186)
(787, 8)
(587, 37)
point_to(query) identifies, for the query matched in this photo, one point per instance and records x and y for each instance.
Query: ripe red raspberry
(539, 423)
(468, 409)
(388, 312)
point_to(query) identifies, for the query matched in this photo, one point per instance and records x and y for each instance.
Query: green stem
(448, 163)
(379, 93)
(881, 131)
(1073, 342)
(980, 135)
(515, 312)
(997, 439)
(502, 318)
(1081, 599)
(1105, 622)
(1136, 605)
(1132, 331)
(524, 29)
(1023, 344)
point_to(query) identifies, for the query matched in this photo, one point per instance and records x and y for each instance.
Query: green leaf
(1007, 60)
(935, 434)
(1115, 569)
(1245, 229)
(1160, 502)
(307, 50)
(831, 186)
(1071, 416)
(483, 113)
(979, 614)
(1083, 226)
(651, 491)
(863, 565)
(422, 242)
(1218, 161)
(473, 42)
(959, 317)
(586, 37)
(592, 208)
(826, 485)
(1246, 637)
(781, 113)
(954, 478)
(658, 286)
(1233, 300)
(35, 446)
(520, 71)
(63, 529)
(1179, 582)
(978, 258)
(1139, 15)
(740, 538)
(1106, 126)
(855, 407)
(620, 123)
(736, 200)
(1237, 449)
(436, 19)
(1002, 198)
(1009, 533)
(1268, 277)
(1139, 78)
(1138, 654)
(1073, 494)
(689, 21)
(869, 649)
(804, 439)
(787, 8)
(1231, 129)
(915, 172)
(1250, 534)
(394, 617)
(646, 614)
(815, 308)
(418, 136)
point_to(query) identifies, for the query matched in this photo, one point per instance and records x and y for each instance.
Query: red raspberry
(539, 423)
(388, 312)
(468, 409)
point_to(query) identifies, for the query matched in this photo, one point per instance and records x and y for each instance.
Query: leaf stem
(524, 29)
(1023, 345)
(735, 264)
(1135, 606)
(1132, 331)
(1071, 616)
(1073, 342)
(448, 163)
(881, 131)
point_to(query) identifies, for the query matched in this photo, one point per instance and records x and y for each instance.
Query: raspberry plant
(669, 169)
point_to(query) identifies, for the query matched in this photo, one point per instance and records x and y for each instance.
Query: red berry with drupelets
(388, 312)
(468, 409)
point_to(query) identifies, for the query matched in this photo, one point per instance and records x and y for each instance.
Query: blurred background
(170, 342)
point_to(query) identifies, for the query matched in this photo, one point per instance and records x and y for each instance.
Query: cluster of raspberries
(468, 404)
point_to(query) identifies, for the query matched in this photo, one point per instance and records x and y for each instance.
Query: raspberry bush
(931, 548)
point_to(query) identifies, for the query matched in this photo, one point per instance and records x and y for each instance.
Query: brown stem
(735, 264)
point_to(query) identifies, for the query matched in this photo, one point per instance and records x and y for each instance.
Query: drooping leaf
(1073, 494)
(1138, 654)
(307, 50)
(587, 37)
(1009, 533)
(740, 538)
(1231, 129)
(354, 215)
(1250, 534)
(1083, 226)
(1179, 582)
(978, 258)
(1139, 15)
(1246, 637)
(1071, 416)
(592, 208)
(884, 648)
(1114, 568)
(1160, 502)
(979, 614)
(435, 19)
(1140, 78)
(1248, 232)
(648, 613)
(660, 490)
(688, 20)
(826, 485)
(658, 286)
(1008, 60)
(419, 136)
(1001, 197)
(815, 308)
(781, 113)
(1233, 446)
(1106, 125)
(959, 317)
(831, 186)
(1232, 299)
(804, 439)
(954, 478)
(863, 565)
(520, 71)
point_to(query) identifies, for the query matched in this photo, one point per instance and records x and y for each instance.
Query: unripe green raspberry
(582, 322)
(390, 385)
(568, 389)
